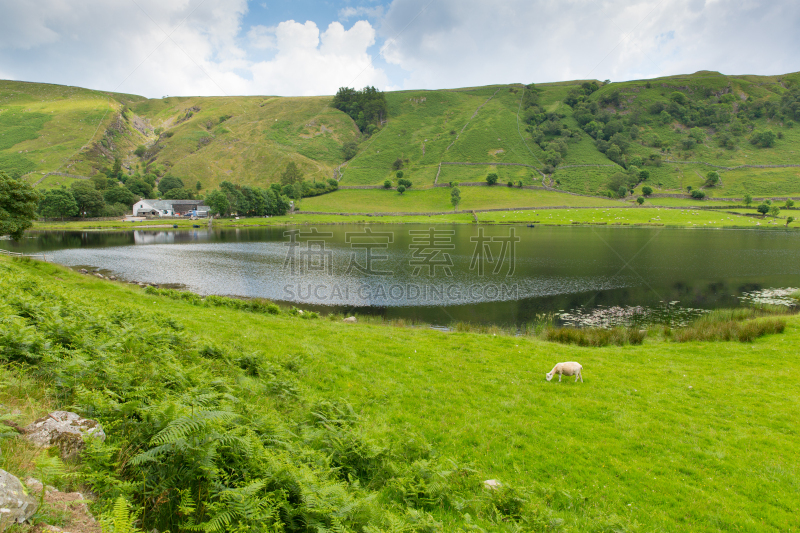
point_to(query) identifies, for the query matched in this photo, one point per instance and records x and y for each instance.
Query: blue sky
(308, 47)
(322, 13)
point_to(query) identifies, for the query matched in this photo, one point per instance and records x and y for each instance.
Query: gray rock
(350, 320)
(492, 484)
(99, 275)
(36, 486)
(15, 505)
(65, 430)
(84, 271)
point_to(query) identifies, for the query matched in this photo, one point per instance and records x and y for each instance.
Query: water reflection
(553, 268)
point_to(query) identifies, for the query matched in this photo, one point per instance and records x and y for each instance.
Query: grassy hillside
(214, 413)
(677, 128)
(54, 128)
(247, 140)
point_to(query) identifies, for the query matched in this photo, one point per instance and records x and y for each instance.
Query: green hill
(579, 136)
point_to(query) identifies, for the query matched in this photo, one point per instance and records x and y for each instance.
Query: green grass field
(664, 436)
(688, 218)
(438, 199)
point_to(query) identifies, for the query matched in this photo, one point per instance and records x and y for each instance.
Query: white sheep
(567, 369)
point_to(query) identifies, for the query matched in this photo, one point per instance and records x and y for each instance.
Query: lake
(443, 274)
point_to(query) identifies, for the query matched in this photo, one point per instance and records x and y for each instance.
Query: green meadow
(375, 427)
(438, 199)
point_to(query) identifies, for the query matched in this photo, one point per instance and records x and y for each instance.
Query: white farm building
(169, 208)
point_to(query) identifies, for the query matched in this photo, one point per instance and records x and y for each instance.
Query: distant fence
(728, 168)
(17, 254)
(79, 219)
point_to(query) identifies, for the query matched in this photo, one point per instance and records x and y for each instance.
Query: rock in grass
(36, 486)
(65, 430)
(15, 505)
(491, 484)
(350, 320)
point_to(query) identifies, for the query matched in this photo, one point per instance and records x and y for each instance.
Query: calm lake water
(444, 273)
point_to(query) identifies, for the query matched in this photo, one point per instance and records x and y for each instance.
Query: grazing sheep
(567, 369)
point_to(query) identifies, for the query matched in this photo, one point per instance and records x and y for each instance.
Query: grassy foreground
(206, 405)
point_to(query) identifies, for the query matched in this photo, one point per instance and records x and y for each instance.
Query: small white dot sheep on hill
(567, 369)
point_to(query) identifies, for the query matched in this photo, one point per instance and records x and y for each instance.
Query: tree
(367, 107)
(101, 182)
(349, 150)
(168, 183)
(640, 200)
(18, 201)
(644, 175)
(614, 153)
(712, 178)
(116, 171)
(491, 179)
(401, 189)
(678, 97)
(789, 203)
(789, 220)
(120, 195)
(139, 187)
(698, 194)
(291, 175)
(763, 209)
(399, 174)
(726, 140)
(622, 192)
(774, 210)
(405, 183)
(748, 199)
(179, 194)
(698, 134)
(140, 150)
(455, 197)
(387, 184)
(764, 139)
(647, 191)
(552, 158)
(198, 186)
(90, 201)
(218, 202)
(58, 203)
(398, 164)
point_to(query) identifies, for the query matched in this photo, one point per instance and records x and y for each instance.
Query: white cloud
(456, 43)
(371, 13)
(122, 47)
(261, 37)
(423, 44)
(309, 62)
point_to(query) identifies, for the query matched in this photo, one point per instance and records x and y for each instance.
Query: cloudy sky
(308, 47)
